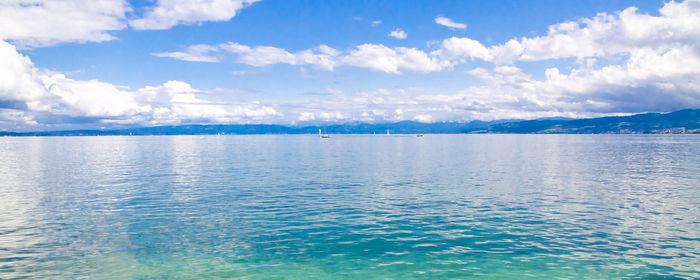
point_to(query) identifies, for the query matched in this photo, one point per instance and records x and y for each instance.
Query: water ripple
(441, 206)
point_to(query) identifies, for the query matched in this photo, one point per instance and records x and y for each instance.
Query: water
(353, 206)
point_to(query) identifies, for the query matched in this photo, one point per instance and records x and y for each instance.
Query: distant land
(683, 121)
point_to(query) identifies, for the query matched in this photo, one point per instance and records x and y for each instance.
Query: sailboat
(323, 135)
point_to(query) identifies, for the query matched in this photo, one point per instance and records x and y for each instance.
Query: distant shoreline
(348, 134)
(679, 122)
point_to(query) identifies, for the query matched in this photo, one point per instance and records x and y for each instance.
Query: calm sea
(352, 206)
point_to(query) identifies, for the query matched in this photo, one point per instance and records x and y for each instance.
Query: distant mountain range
(683, 121)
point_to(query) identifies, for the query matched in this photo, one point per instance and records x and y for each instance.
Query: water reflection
(525, 206)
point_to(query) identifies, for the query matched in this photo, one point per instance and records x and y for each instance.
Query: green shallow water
(351, 207)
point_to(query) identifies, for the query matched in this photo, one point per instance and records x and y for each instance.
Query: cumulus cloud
(388, 105)
(626, 62)
(168, 13)
(52, 93)
(605, 35)
(509, 93)
(449, 23)
(392, 60)
(89, 98)
(459, 49)
(610, 34)
(398, 33)
(652, 72)
(37, 97)
(646, 82)
(18, 79)
(40, 23)
(175, 101)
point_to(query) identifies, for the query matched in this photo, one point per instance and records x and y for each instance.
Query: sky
(73, 64)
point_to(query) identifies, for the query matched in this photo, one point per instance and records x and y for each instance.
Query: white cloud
(647, 82)
(18, 76)
(49, 92)
(168, 13)
(45, 96)
(322, 57)
(460, 48)
(331, 116)
(610, 34)
(423, 118)
(398, 33)
(40, 23)
(196, 53)
(376, 22)
(627, 62)
(601, 36)
(382, 105)
(175, 101)
(505, 53)
(449, 23)
(259, 55)
(375, 57)
(86, 98)
(385, 59)
(242, 72)
(306, 116)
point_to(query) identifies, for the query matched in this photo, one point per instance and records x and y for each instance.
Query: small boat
(323, 135)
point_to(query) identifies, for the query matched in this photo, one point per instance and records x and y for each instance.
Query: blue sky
(113, 63)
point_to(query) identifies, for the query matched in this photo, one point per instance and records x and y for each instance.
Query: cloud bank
(646, 63)
(620, 63)
(36, 98)
(602, 36)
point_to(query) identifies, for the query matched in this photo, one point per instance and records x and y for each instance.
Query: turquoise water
(353, 206)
